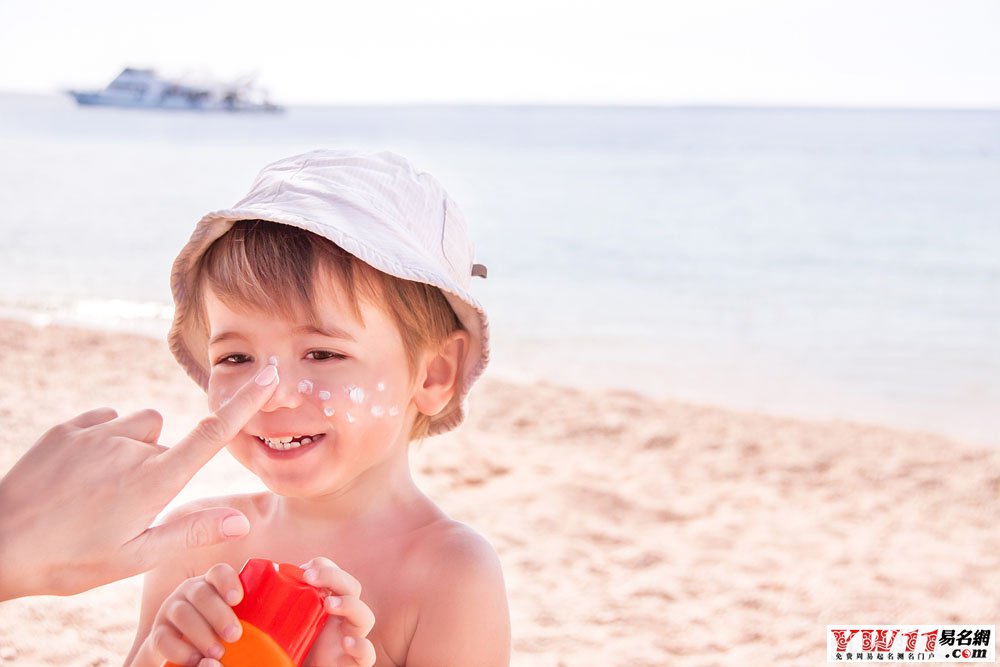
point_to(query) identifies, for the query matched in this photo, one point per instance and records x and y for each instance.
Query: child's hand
(197, 616)
(342, 643)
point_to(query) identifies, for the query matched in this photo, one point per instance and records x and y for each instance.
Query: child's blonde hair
(273, 268)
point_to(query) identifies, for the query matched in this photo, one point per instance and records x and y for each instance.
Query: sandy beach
(632, 531)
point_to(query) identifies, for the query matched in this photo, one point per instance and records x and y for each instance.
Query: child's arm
(158, 584)
(463, 617)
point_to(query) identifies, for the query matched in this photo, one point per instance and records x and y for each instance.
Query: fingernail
(267, 375)
(349, 642)
(232, 633)
(215, 651)
(235, 526)
(311, 575)
(233, 598)
(334, 601)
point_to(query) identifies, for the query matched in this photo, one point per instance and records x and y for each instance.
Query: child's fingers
(361, 649)
(226, 581)
(322, 573)
(195, 629)
(218, 616)
(358, 619)
(171, 646)
(318, 561)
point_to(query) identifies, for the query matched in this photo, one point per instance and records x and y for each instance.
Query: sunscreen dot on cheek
(305, 386)
(356, 393)
(329, 412)
(350, 418)
(377, 411)
(393, 411)
(273, 360)
(380, 386)
(324, 395)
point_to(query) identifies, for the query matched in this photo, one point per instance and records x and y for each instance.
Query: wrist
(19, 575)
(7, 576)
(12, 579)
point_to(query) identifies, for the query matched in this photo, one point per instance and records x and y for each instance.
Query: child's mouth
(288, 444)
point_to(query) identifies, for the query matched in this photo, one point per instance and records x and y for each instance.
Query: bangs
(268, 267)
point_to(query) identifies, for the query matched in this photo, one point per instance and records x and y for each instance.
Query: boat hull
(96, 98)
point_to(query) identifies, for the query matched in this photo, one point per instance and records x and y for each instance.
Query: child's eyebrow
(330, 332)
(225, 335)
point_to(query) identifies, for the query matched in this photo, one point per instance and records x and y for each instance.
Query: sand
(632, 531)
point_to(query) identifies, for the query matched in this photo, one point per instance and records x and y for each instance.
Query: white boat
(143, 88)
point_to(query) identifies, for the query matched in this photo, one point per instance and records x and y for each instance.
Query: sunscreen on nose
(281, 616)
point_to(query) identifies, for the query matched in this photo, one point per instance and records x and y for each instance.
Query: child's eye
(234, 359)
(323, 355)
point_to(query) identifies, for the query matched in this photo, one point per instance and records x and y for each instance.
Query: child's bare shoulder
(446, 536)
(455, 579)
(448, 550)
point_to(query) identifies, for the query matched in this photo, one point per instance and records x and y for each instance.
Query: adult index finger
(214, 431)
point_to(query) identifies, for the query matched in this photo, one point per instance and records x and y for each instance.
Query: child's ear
(440, 374)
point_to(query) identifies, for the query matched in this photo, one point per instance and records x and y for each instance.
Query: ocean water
(817, 263)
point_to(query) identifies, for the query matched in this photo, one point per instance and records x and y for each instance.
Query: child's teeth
(287, 442)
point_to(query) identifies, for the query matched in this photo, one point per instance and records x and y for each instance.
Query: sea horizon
(583, 104)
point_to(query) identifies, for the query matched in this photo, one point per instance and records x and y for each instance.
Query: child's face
(350, 398)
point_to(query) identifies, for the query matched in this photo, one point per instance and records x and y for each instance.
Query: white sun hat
(376, 206)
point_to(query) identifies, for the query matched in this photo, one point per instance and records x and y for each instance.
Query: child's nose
(286, 396)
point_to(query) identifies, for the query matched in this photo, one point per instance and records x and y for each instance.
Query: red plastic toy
(281, 615)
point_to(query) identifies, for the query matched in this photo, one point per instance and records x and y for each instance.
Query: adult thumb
(194, 530)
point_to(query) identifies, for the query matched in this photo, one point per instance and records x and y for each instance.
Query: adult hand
(75, 511)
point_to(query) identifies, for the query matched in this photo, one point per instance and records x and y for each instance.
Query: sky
(869, 53)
